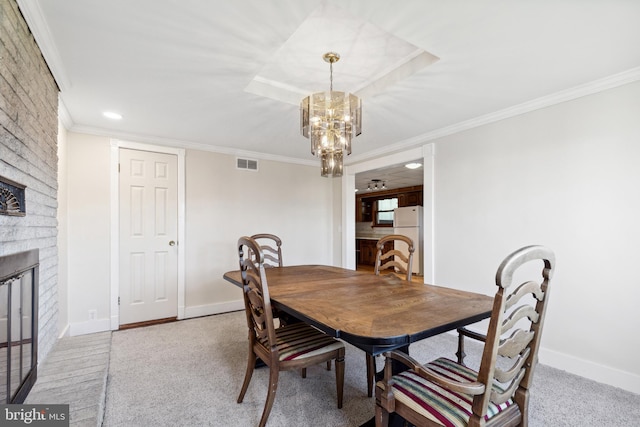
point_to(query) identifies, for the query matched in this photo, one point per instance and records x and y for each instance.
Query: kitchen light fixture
(375, 183)
(331, 119)
(413, 165)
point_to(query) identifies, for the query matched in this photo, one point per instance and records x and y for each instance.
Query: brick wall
(28, 155)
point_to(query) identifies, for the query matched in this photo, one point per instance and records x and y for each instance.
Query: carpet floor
(189, 373)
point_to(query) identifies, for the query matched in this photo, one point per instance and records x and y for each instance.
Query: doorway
(426, 153)
(378, 192)
(147, 196)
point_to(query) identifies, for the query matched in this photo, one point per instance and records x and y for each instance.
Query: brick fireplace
(28, 157)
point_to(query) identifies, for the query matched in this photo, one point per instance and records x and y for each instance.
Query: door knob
(172, 243)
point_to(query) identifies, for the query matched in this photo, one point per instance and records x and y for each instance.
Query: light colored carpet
(189, 373)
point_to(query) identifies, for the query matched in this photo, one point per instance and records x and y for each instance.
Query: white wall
(222, 204)
(88, 228)
(567, 177)
(564, 176)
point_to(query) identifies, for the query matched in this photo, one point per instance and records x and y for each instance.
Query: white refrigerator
(408, 222)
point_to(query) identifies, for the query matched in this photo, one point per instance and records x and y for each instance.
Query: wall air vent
(246, 164)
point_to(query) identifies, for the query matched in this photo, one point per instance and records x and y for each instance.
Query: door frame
(427, 154)
(116, 145)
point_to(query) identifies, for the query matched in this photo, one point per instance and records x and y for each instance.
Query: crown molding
(570, 94)
(168, 142)
(63, 114)
(38, 26)
(596, 86)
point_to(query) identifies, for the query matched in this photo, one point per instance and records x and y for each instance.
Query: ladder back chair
(445, 392)
(271, 246)
(399, 262)
(290, 347)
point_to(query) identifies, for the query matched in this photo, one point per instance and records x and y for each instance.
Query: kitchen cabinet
(410, 198)
(367, 250)
(364, 210)
(366, 203)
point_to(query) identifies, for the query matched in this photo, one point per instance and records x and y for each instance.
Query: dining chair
(289, 347)
(446, 392)
(271, 246)
(390, 256)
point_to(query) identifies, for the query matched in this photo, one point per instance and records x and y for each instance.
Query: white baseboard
(209, 309)
(101, 325)
(64, 332)
(584, 368)
(89, 327)
(594, 371)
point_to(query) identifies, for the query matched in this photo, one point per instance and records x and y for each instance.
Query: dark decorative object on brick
(11, 198)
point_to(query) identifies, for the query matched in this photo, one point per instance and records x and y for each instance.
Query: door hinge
(118, 300)
(118, 167)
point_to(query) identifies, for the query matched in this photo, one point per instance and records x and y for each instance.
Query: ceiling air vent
(247, 164)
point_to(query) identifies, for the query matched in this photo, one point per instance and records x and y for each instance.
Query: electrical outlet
(93, 314)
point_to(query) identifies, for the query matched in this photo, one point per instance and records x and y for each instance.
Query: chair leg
(371, 373)
(522, 400)
(461, 354)
(340, 377)
(251, 363)
(328, 365)
(303, 372)
(271, 395)
(382, 417)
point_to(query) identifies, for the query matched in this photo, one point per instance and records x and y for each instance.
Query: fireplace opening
(18, 325)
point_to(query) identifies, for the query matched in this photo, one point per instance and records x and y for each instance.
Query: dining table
(375, 313)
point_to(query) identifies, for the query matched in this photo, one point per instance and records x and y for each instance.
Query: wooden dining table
(373, 313)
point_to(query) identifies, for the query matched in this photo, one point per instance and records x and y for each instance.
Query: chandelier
(330, 120)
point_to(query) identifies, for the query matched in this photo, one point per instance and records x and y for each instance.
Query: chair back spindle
(271, 247)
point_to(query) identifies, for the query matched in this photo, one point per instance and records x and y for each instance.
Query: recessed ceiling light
(112, 115)
(413, 165)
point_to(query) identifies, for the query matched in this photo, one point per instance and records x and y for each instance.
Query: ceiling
(228, 75)
(396, 176)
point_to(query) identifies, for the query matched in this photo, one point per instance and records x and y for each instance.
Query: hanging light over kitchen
(331, 119)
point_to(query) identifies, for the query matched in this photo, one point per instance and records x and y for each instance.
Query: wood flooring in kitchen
(369, 268)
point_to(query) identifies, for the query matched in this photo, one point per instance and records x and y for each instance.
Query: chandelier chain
(331, 76)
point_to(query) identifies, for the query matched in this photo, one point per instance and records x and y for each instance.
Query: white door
(148, 236)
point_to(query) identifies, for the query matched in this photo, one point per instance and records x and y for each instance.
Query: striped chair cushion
(436, 403)
(299, 341)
